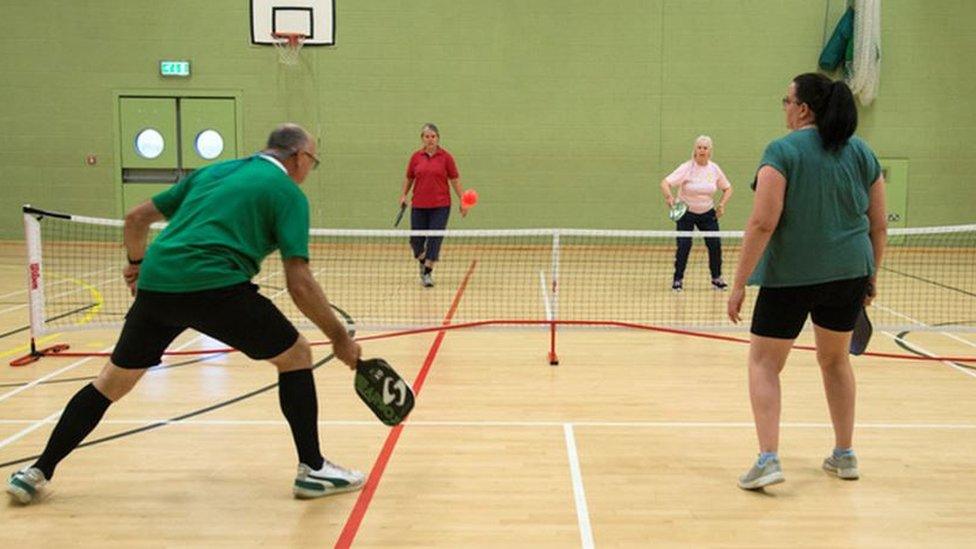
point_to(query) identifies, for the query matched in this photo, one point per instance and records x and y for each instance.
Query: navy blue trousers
(428, 219)
(707, 221)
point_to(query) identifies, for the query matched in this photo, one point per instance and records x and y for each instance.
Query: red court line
(366, 495)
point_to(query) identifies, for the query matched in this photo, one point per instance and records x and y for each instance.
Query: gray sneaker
(844, 467)
(25, 485)
(758, 477)
(427, 280)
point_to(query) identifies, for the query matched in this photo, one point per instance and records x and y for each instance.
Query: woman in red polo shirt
(429, 172)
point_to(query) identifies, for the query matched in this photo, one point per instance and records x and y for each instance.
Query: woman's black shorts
(236, 315)
(781, 312)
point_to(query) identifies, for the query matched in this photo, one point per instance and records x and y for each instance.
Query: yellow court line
(96, 297)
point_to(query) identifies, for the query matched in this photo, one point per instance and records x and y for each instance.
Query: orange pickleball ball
(469, 198)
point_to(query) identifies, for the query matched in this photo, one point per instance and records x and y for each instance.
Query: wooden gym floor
(635, 439)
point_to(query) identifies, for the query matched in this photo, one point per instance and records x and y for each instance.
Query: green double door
(165, 138)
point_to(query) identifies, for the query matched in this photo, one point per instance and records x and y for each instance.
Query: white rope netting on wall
(865, 72)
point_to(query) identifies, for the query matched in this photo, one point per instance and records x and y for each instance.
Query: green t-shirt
(223, 221)
(822, 234)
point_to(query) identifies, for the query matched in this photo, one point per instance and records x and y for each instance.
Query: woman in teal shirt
(813, 244)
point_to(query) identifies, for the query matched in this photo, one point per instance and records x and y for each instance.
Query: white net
(928, 281)
(289, 47)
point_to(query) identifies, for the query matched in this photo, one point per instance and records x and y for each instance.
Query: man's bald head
(288, 139)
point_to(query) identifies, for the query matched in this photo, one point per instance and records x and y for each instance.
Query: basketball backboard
(315, 19)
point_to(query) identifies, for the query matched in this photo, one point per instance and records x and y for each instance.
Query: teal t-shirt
(223, 221)
(822, 234)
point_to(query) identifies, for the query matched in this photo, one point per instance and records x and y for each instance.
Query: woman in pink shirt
(697, 180)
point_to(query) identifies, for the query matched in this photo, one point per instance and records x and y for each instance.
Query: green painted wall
(561, 113)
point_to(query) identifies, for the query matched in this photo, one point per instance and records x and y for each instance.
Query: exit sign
(174, 68)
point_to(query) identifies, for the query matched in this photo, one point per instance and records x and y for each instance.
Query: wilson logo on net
(35, 275)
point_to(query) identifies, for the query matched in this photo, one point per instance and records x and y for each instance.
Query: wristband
(133, 261)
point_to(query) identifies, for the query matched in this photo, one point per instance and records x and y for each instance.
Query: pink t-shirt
(698, 184)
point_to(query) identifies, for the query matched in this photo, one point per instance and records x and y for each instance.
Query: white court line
(72, 365)
(921, 349)
(910, 319)
(927, 353)
(42, 379)
(524, 424)
(545, 295)
(23, 433)
(51, 418)
(582, 513)
(13, 293)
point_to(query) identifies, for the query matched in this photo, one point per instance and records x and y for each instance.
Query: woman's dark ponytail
(833, 105)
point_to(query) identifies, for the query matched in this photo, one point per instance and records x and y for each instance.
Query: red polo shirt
(430, 175)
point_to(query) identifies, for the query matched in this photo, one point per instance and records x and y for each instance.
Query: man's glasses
(314, 158)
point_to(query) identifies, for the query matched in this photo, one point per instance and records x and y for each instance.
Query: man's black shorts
(236, 315)
(781, 312)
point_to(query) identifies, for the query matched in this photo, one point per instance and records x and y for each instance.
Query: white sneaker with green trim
(330, 479)
(25, 485)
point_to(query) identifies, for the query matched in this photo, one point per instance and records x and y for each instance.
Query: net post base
(34, 355)
(553, 357)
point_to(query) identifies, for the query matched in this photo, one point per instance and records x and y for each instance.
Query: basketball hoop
(289, 45)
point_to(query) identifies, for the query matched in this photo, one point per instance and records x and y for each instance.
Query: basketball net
(298, 95)
(289, 45)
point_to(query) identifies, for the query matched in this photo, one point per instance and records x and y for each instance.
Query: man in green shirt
(223, 221)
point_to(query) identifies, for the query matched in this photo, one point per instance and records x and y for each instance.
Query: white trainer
(330, 479)
(25, 485)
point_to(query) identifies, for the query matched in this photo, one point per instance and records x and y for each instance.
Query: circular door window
(209, 144)
(149, 143)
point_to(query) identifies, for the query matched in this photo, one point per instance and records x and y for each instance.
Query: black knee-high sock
(296, 395)
(79, 418)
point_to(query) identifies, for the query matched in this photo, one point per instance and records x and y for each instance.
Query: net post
(35, 282)
(35, 287)
(553, 357)
(34, 355)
